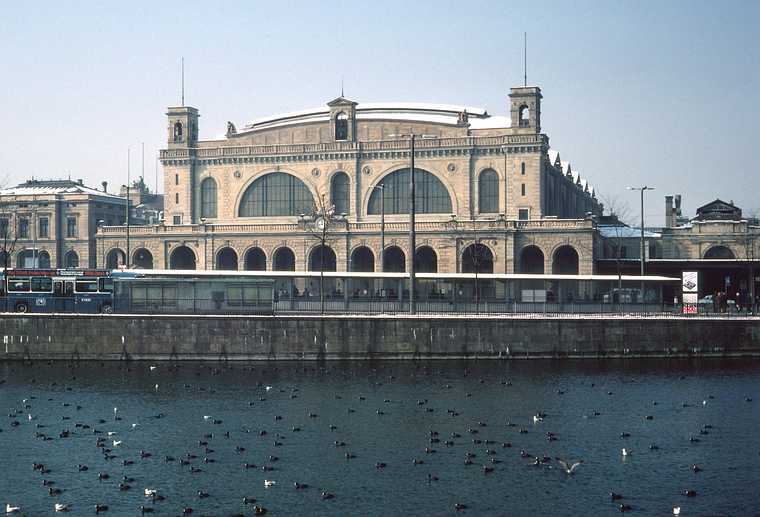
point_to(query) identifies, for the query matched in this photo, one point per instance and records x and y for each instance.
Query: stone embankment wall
(114, 337)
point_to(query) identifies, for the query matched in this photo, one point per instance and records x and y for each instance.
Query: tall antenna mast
(341, 86)
(143, 162)
(525, 59)
(183, 80)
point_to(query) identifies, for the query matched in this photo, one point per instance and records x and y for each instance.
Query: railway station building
(491, 195)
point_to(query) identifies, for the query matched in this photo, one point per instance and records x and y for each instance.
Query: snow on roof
(415, 111)
(54, 187)
(625, 232)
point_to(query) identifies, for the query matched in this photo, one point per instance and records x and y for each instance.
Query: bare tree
(619, 212)
(320, 221)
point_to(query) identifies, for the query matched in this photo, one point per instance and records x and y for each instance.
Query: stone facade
(53, 223)
(535, 199)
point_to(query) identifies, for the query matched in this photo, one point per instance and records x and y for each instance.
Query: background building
(53, 223)
(490, 193)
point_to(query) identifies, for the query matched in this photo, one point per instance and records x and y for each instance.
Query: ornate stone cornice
(380, 150)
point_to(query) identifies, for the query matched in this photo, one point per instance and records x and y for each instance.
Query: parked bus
(56, 290)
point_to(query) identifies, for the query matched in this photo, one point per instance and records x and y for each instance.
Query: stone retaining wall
(114, 337)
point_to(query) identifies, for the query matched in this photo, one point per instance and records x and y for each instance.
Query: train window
(106, 285)
(58, 288)
(41, 284)
(18, 284)
(68, 288)
(87, 286)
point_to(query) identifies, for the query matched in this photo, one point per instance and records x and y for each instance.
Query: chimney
(105, 186)
(669, 212)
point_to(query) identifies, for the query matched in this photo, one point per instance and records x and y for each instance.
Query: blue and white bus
(56, 290)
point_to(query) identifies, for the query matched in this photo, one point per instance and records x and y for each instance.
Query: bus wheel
(107, 309)
(22, 307)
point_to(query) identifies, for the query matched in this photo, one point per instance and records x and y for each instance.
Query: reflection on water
(330, 426)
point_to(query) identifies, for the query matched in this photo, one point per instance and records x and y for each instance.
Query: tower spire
(525, 59)
(182, 79)
(341, 86)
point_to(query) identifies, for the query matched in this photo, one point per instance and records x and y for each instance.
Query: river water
(678, 413)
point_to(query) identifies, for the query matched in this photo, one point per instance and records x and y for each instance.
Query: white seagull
(626, 452)
(60, 507)
(268, 388)
(268, 483)
(150, 492)
(569, 468)
(152, 368)
(207, 417)
(116, 443)
(676, 510)
(12, 509)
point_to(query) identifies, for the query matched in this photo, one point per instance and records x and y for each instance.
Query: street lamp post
(382, 226)
(642, 190)
(412, 214)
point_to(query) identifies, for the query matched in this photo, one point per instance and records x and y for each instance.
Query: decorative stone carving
(315, 172)
(367, 170)
(451, 167)
(237, 174)
(231, 130)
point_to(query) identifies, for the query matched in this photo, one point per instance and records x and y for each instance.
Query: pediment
(341, 101)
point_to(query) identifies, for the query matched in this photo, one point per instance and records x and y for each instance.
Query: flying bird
(568, 467)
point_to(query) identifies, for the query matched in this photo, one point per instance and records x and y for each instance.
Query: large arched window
(178, 131)
(339, 193)
(488, 192)
(208, 198)
(276, 194)
(431, 196)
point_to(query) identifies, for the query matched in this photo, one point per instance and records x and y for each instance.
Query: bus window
(106, 285)
(18, 284)
(42, 284)
(87, 286)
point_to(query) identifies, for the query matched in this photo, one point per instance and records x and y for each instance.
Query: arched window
(182, 258)
(142, 259)
(276, 194)
(255, 260)
(322, 258)
(115, 258)
(71, 259)
(362, 260)
(394, 260)
(341, 126)
(524, 116)
(284, 260)
(426, 260)
(43, 260)
(178, 131)
(565, 261)
(431, 196)
(227, 260)
(339, 193)
(720, 252)
(477, 258)
(532, 260)
(208, 198)
(488, 192)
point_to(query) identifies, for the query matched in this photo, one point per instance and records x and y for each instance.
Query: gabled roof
(341, 101)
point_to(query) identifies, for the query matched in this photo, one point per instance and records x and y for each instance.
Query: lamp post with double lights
(642, 190)
(412, 214)
(319, 223)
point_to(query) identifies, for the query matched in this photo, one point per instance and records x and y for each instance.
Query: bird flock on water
(487, 444)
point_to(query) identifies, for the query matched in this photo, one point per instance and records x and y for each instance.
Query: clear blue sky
(658, 93)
